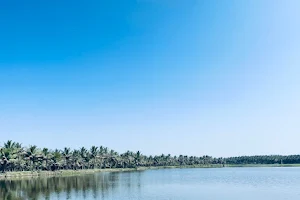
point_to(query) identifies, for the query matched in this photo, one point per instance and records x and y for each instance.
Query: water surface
(163, 184)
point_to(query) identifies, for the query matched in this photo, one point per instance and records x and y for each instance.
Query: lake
(162, 184)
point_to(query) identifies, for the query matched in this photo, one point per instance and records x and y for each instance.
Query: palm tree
(11, 156)
(67, 154)
(19, 150)
(93, 154)
(84, 156)
(9, 144)
(32, 155)
(14, 157)
(7, 157)
(76, 158)
(137, 158)
(46, 156)
(56, 157)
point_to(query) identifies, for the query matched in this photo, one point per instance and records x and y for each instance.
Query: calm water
(164, 184)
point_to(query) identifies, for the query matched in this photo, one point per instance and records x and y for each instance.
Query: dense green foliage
(271, 159)
(15, 157)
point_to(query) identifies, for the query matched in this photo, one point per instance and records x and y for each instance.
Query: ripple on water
(164, 184)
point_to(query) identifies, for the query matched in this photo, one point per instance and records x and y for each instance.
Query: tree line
(15, 157)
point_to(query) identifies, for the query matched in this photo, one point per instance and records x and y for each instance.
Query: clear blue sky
(161, 76)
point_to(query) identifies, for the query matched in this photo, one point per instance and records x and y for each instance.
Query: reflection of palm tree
(41, 188)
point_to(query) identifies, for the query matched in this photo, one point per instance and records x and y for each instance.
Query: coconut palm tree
(94, 154)
(76, 159)
(9, 144)
(67, 154)
(56, 158)
(137, 158)
(46, 155)
(15, 157)
(32, 154)
(7, 157)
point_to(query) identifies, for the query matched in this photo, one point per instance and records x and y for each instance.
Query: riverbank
(264, 165)
(35, 174)
(30, 174)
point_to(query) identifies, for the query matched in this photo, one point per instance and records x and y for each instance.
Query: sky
(192, 77)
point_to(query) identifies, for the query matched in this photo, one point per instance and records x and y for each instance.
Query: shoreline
(262, 165)
(63, 173)
(60, 173)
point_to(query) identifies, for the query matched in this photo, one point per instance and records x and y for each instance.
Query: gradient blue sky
(161, 76)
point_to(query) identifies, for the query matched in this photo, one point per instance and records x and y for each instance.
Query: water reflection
(176, 184)
(94, 186)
